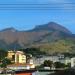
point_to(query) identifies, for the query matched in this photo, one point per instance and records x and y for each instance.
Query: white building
(67, 60)
(73, 62)
(39, 61)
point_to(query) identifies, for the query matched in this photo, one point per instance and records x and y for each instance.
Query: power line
(33, 3)
(35, 6)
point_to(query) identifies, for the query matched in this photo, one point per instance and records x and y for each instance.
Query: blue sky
(60, 11)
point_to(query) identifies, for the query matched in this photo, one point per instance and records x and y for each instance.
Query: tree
(59, 65)
(5, 62)
(34, 51)
(3, 54)
(48, 63)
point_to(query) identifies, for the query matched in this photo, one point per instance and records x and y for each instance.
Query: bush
(59, 65)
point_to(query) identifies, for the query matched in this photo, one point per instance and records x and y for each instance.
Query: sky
(26, 14)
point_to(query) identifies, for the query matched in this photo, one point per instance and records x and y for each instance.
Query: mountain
(40, 36)
(51, 26)
(9, 30)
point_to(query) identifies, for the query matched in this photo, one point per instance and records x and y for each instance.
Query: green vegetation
(48, 63)
(59, 46)
(33, 51)
(3, 54)
(5, 62)
(59, 65)
(52, 65)
(65, 72)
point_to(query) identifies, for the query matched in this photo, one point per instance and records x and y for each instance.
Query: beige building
(17, 57)
(20, 62)
(20, 57)
(11, 56)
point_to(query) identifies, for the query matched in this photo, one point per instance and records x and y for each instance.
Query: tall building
(21, 61)
(73, 62)
(17, 57)
(20, 57)
(11, 56)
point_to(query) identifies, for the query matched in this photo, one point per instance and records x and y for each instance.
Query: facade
(67, 60)
(73, 62)
(70, 61)
(39, 61)
(11, 56)
(20, 61)
(20, 57)
(17, 57)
